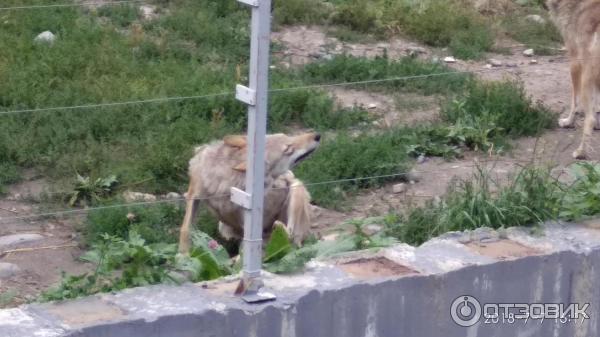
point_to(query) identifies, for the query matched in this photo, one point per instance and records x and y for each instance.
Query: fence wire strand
(227, 195)
(73, 4)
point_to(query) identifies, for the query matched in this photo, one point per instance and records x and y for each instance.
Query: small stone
(327, 57)
(533, 62)
(512, 65)
(131, 217)
(495, 63)
(148, 12)
(371, 230)
(45, 37)
(173, 196)
(414, 51)
(536, 18)
(316, 55)
(18, 239)
(8, 269)
(414, 176)
(421, 159)
(399, 188)
(489, 66)
(449, 59)
(372, 106)
(272, 67)
(529, 52)
(137, 196)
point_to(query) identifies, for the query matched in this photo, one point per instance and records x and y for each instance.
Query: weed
(583, 195)
(125, 263)
(347, 158)
(290, 12)
(346, 68)
(530, 197)
(499, 104)
(89, 191)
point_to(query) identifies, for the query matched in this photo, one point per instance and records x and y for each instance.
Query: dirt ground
(548, 81)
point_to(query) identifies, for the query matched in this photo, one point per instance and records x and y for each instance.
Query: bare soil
(547, 81)
(378, 267)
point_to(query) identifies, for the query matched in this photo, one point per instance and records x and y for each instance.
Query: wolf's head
(282, 152)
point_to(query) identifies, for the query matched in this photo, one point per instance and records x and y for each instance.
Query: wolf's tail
(298, 209)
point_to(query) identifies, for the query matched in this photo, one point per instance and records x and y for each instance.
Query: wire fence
(73, 4)
(156, 100)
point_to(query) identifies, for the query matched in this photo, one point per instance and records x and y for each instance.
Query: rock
(534, 61)
(536, 18)
(372, 106)
(173, 196)
(7, 270)
(414, 176)
(488, 66)
(449, 59)
(421, 159)
(137, 196)
(512, 65)
(529, 52)
(148, 12)
(414, 51)
(18, 239)
(399, 188)
(327, 57)
(495, 63)
(272, 67)
(316, 55)
(45, 37)
(371, 230)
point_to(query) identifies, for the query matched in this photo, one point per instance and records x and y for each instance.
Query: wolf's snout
(317, 137)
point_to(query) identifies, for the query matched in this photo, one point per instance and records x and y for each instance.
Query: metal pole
(256, 96)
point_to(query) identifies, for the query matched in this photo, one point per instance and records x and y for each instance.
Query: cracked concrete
(406, 291)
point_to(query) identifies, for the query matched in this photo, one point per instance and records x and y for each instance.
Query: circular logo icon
(465, 311)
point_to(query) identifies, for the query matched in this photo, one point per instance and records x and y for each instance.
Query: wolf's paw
(565, 123)
(579, 154)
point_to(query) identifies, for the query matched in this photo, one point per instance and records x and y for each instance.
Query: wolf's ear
(241, 167)
(235, 141)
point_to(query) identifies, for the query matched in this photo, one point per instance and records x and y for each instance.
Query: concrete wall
(407, 292)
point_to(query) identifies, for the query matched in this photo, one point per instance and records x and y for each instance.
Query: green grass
(544, 38)
(346, 68)
(505, 105)
(531, 197)
(195, 48)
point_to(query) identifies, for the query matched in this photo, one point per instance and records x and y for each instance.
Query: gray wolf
(579, 24)
(220, 165)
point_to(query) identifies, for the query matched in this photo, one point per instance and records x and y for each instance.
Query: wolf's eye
(289, 149)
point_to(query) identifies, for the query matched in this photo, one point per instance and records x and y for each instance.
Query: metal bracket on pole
(253, 3)
(245, 94)
(241, 198)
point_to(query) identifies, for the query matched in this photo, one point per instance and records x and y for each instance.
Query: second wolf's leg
(576, 81)
(190, 213)
(588, 100)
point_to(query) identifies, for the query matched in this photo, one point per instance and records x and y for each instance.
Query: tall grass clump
(346, 157)
(530, 197)
(290, 12)
(345, 68)
(443, 23)
(505, 105)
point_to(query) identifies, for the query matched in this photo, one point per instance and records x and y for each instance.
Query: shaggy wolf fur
(579, 23)
(218, 166)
